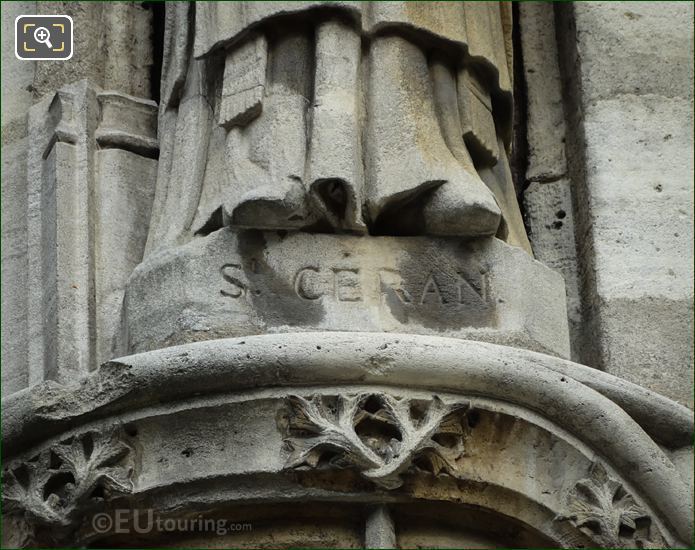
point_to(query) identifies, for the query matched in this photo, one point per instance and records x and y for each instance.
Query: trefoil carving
(379, 435)
(59, 485)
(602, 509)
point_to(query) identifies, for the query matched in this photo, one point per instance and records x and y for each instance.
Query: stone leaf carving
(380, 435)
(602, 509)
(56, 487)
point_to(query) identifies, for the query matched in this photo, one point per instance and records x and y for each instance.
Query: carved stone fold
(379, 435)
(347, 118)
(602, 509)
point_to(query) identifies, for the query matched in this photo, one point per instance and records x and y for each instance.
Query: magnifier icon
(42, 36)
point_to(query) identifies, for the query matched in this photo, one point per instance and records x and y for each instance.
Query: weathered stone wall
(628, 98)
(65, 262)
(17, 78)
(547, 196)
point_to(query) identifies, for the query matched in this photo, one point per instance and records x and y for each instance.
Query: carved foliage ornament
(56, 487)
(602, 509)
(379, 435)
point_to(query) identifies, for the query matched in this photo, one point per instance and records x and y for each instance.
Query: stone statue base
(242, 283)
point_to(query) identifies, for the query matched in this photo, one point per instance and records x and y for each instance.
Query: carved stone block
(90, 189)
(231, 284)
(243, 83)
(57, 488)
(607, 513)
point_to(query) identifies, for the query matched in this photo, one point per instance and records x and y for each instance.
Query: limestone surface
(631, 164)
(236, 283)
(349, 275)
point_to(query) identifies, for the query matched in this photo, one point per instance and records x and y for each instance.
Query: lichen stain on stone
(380, 364)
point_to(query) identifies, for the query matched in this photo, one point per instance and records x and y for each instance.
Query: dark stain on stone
(277, 300)
(443, 288)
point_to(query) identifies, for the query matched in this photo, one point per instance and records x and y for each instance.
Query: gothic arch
(267, 419)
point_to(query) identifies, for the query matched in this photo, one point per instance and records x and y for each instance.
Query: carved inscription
(348, 283)
(353, 284)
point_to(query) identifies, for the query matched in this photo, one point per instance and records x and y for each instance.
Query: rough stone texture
(17, 77)
(683, 460)
(15, 368)
(547, 197)
(60, 299)
(545, 119)
(229, 399)
(112, 49)
(379, 531)
(119, 248)
(548, 210)
(631, 161)
(612, 44)
(76, 278)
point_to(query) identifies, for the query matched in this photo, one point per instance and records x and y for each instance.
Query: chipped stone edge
(582, 400)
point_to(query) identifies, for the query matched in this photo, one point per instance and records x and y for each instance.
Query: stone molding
(91, 159)
(250, 382)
